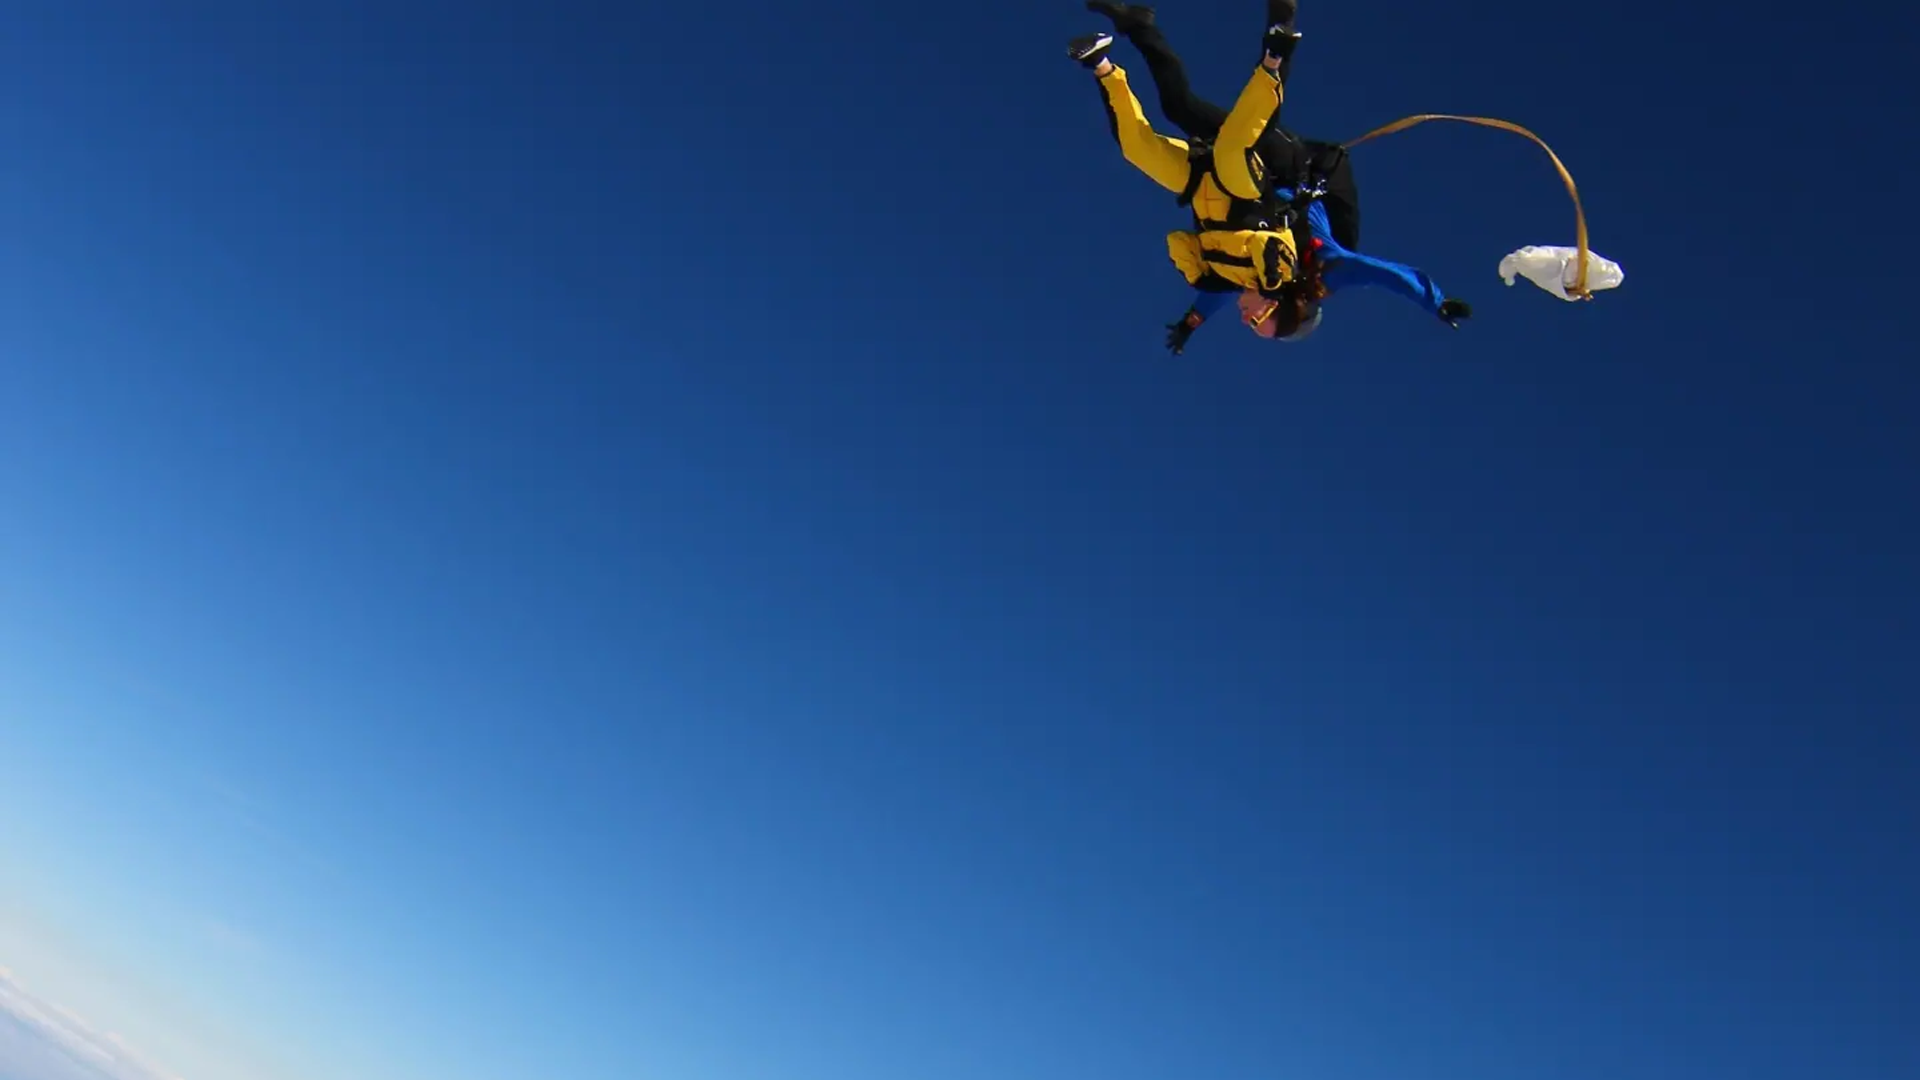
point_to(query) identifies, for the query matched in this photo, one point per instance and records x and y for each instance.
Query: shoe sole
(1081, 50)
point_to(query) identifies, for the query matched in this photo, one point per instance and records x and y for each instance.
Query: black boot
(1090, 49)
(1280, 43)
(1281, 37)
(1126, 17)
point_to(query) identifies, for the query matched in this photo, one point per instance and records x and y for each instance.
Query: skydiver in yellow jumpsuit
(1240, 242)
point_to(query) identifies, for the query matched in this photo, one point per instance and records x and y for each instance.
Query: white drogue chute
(1557, 270)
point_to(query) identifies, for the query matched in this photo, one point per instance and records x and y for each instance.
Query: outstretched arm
(1206, 303)
(1349, 269)
(1353, 270)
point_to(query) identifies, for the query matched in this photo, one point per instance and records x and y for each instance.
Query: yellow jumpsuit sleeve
(1160, 157)
(1184, 249)
(1240, 172)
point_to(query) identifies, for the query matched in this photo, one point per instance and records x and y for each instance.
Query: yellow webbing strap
(1580, 215)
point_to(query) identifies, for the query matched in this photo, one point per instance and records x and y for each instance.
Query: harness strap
(1276, 262)
(1270, 273)
(1199, 164)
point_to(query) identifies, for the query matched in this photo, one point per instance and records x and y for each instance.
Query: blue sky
(541, 540)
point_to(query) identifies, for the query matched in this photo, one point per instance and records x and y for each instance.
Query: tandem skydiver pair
(1276, 217)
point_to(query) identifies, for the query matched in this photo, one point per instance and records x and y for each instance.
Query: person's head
(1288, 314)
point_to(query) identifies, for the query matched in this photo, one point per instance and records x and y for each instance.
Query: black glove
(1452, 311)
(1179, 332)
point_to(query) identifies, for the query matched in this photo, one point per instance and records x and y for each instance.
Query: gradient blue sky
(553, 539)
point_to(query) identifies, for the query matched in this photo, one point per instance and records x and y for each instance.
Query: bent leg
(1278, 46)
(1160, 157)
(1239, 169)
(1186, 110)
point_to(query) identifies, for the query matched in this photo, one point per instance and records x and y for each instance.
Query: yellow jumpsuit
(1250, 258)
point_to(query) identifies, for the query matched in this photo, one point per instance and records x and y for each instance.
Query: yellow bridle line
(1580, 215)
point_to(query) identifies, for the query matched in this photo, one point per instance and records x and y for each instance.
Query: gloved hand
(1179, 332)
(1452, 311)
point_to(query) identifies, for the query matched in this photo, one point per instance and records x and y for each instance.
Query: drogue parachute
(1557, 270)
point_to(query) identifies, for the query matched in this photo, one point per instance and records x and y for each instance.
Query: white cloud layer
(39, 1040)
